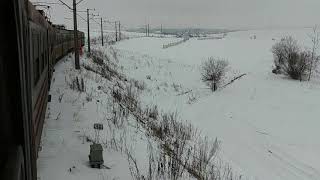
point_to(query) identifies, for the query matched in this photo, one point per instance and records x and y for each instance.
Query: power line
(50, 3)
(76, 3)
(65, 4)
(79, 2)
(82, 18)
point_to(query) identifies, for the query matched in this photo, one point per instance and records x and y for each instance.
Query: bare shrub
(114, 53)
(120, 114)
(204, 152)
(127, 97)
(116, 94)
(192, 98)
(133, 167)
(89, 96)
(105, 70)
(282, 50)
(213, 72)
(176, 87)
(131, 97)
(290, 60)
(152, 112)
(89, 68)
(99, 57)
(60, 97)
(77, 84)
(139, 85)
(106, 73)
(315, 39)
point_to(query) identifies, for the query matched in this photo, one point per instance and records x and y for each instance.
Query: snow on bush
(213, 72)
(290, 60)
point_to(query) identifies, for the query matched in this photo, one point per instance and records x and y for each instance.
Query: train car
(65, 41)
(30, 46)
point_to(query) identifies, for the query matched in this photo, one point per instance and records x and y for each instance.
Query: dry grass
(181, 149)
(76, 83)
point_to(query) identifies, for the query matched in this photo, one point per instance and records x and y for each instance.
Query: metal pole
(101, 33)
(88, 23)
(75, 31)
(119, 32)
(115, 24)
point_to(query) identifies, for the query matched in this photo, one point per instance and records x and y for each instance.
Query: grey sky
(199, 13)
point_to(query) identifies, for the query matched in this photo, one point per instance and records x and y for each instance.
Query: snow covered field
(267, 124)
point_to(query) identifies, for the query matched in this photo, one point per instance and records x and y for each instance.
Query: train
(30, 46)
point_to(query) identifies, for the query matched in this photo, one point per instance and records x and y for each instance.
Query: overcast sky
(236, 14)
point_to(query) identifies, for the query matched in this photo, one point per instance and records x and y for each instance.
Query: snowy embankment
(68, 130)
(266, 124)
(139, 141)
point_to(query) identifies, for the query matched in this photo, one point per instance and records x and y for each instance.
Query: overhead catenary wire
(93, 19)
(76, 3)
(49, 3)
(79, 2)
(65, 4)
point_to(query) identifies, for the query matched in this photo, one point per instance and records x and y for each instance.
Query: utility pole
(146, 30)
(101, 32)
(75, 29)
(115, 24)
(119, 32)
(88, 22)
(161, 30)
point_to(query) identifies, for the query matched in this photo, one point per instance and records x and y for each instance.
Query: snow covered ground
(267, 124)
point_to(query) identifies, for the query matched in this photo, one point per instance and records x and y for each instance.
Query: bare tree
(315, 39)
(213, 72)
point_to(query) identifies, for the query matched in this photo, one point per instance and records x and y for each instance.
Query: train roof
(37, 16)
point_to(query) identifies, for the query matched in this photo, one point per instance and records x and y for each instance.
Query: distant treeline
(177, 31)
